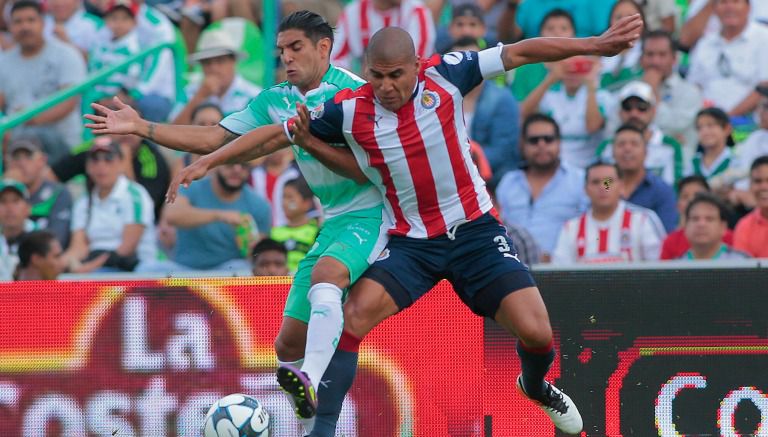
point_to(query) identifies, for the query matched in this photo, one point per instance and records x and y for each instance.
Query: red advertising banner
(148, 358)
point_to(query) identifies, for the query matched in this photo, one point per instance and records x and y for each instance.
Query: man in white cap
(637, 106)
(221, 85)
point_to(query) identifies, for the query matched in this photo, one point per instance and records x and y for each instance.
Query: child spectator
(300, 231)
(120, 18)
(714, 160)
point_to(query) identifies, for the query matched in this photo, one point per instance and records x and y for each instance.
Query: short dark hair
(557, 13)
(300, 185)
(314, 26)
(24, 4)
(600, 163)
(267, 245)
(710, 199)
(631, 127)
(660, 34)
(760, 161)
(34, 243)
(539, 118)
(693, 179)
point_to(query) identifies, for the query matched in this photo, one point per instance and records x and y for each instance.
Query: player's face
(603, 186)
(687, 193)
(13, 209)
(51, 265)
(732, 13)
(27, 28)
(637, 111)
(29, 165)
(703, 225)
(120, 22)
(658, 55)
(270, 263)
(393, 82)
(759, 186)
(558, 27)
(305, 61)
(541, 146)
(629, 150)
(711, 133)
(467, 26)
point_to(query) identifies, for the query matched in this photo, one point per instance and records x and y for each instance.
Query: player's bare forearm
(255, 144)
(619, 37)
(186, 138)
(340, 160)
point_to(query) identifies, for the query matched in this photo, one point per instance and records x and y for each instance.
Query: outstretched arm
(255, 144)
(126, 121)
(619, 37)
(341, 160)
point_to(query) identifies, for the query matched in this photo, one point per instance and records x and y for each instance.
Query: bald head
(391, 45)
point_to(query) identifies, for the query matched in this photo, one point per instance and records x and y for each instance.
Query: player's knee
(288, 348)
(535, 334)
(331, 271)
(358, 317)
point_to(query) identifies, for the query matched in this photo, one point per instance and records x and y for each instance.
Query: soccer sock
(306, 423)
(324, 330)
(336, 383)
(535, 363)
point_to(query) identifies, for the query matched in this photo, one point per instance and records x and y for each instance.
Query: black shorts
(481, 263)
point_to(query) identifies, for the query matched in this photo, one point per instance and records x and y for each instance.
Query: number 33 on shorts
(504, 247)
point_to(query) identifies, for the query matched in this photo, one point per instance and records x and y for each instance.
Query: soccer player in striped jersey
(354, 232)
(406, 132)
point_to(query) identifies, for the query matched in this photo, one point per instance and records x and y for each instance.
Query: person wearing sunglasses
(637, 106)
(113, 223)
(545, 193)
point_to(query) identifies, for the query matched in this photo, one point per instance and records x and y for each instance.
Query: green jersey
(338, 195)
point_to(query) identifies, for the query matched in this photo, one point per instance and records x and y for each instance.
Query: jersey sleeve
(468, 69)
(325, 124)
(256, 114)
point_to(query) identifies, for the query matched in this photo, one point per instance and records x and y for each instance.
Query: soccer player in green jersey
(354, 232)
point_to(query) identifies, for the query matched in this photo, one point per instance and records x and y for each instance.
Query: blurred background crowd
(660, 152)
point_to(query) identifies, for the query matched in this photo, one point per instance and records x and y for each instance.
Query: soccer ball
(236, 415)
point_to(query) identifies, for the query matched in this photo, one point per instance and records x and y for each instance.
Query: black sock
(535, 363)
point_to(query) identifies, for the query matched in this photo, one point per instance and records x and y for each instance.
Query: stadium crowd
(660, 152)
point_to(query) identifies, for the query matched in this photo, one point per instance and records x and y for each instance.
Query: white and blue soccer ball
(236, 415)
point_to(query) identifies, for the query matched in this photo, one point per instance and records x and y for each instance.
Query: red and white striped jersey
(360, 20)
(633, 233)
(419, 157)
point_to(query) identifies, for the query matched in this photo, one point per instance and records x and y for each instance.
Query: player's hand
(196, 170)
(123, 121)
(621, 36)
(301, 135)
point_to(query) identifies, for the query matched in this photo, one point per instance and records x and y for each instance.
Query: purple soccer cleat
(297, 384)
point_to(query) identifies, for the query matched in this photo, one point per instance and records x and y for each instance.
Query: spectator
(700, 20)
(14, 222)
(676, 243)
(113, 224)
(268, 179)
(620, 69)
(362, 18)
(40, 257)
(466, 22)
(51, 202)
(70, 23)
(660, 15)
(751, 233)
(571, 96)
(679, 100)
(491, 115)
(638, 107)
(729, 64)
(218, 219)
(120, 18)
(269, 258)
(638, 185)
(299, 233)
(756, 145)
(35, 69)
(591, 16)
(714, 160)
(221, 84)
(612, 230)
(545, 193)
(705, 226)
(557, 23)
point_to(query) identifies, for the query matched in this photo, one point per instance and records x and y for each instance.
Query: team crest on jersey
(429, 99)
(383, 255)
(316, 113)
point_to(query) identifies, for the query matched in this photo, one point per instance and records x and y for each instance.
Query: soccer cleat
(296, 383)
(558, 406)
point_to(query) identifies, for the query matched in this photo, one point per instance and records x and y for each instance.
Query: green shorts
(354, 239)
